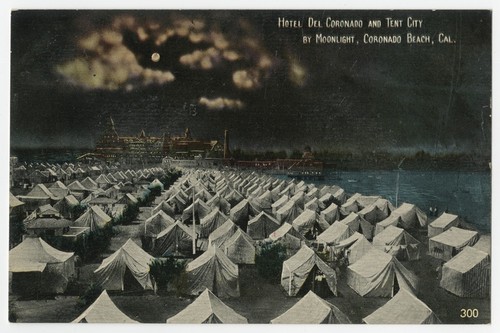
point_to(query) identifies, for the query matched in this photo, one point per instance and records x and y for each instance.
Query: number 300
(469, 313)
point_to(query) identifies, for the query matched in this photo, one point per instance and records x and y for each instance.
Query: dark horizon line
(403, 150)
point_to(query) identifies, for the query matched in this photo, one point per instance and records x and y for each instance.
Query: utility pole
(397, 180)
(194, 228)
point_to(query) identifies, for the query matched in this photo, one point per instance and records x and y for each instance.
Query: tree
(269, 261)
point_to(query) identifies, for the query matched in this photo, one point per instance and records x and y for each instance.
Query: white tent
(37, 267)
(219, 202)
(299, 198)
(262, 225)
(334, 234)
(102, 311)
(234, 197)
(288, 212)
(289, 237)
(241, 213)
(367, 200)
(354, 247)
(403, 308)
(373, 214)
(358, 224)
(326, 198)
(391, 220)
(309, 222)
(410, 216)
(178, 201)
(449, 243)
(15, 205)
(315, 205)
(130, 258)
(442, 223)
(207, 309)
(94, 218)
(399, 243)
(467, 274)
(215, 271)
(165, 207)
(76, 186)
(222, 233)
(203, 195)
(89, 183)
(176, 238)
(384, 205)
(377, 274)
(239, 248)
(263, 202)
(199, 208)
(312, 309)
(331, 213)
(340, 196)
(351, 205)
(153, 226)
(306, 270)
(279, 203)
(312, 192)
(103, 181)
(66, 205)
(59, 189)
(41, 212)
(484, 244)
(211, 222)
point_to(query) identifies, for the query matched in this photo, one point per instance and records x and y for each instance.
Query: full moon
(155, 57)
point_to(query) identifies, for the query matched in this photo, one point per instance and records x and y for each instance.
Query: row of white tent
(259, 223)
(395, 241)
(87, 189)
(130, 256)
(207, 308)
(103, 202)
(374, 269)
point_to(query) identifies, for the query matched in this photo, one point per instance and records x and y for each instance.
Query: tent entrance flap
(130, 283)
(315, 282)
(395, 285)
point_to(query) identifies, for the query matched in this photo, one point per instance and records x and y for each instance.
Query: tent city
(221, 167)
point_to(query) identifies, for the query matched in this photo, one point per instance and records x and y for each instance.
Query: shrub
(155, 191)
(16, 230)
(170, 177)
(269, 261)
(168, 271)
(128, 216)
(145, 199)
(89, 295)
(78, 211)
(86, 247)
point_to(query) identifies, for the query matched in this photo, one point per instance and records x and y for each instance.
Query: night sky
(236, 70)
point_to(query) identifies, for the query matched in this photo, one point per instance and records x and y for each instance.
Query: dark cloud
(236, 70)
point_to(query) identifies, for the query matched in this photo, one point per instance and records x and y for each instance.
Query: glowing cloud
(220, 103)
(109, 65)
(246, 79)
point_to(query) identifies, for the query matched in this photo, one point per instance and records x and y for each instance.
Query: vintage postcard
(250, 166)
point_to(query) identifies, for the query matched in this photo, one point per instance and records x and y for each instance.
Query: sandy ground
(260, 301)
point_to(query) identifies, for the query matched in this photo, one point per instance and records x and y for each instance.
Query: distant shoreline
(342, 161)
